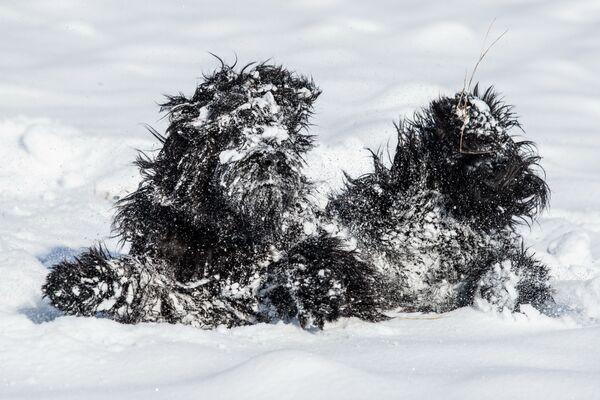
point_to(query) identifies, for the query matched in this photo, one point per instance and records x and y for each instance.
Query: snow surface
(78, 79)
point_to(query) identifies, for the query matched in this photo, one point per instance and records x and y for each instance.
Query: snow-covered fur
(439, 222)
(222, 228)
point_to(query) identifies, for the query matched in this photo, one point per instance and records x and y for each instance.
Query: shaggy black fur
(439, 222)
(223, 230)
(218, 226)
(317, 281)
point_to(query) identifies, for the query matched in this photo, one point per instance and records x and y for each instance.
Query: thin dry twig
(419, 318)
(461, 107)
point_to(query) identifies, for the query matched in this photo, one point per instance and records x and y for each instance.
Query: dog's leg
(133, 289)
(533, 285)
(317, 281)
(516, 280)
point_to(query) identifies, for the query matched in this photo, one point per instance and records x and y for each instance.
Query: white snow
(481, 105)
(202, 117)
(227, 156)
(266, 102)
(275, 132)
(77, 81)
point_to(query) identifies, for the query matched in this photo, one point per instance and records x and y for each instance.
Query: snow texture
(78, 79)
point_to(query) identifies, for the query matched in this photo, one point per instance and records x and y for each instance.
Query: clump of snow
(266, 102)
(480, 105)
(572, 248)
(276, 133)
(233, 155)
(260, 137)
(202, 118)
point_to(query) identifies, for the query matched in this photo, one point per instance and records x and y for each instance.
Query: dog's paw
(318, 281)
(497, 289)
(517, 280)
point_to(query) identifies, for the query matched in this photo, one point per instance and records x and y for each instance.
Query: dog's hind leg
(133, 289)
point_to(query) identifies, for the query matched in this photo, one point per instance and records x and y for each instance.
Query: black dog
(222, 227)
(223, 230)
(439, 223)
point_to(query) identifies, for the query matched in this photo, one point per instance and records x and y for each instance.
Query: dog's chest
(427, 252)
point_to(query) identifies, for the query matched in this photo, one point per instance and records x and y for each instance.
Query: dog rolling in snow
(222, 228)
(439, 223)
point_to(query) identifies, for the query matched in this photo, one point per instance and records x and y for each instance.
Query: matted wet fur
(224, 231)
(222, 228)
(439, 222)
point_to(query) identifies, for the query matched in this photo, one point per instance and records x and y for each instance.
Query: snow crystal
(304, 92)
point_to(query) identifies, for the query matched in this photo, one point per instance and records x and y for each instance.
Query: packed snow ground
(78, 79)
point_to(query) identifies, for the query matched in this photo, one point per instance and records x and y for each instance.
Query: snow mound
(22, 276)
(46, 157)
(572, 248)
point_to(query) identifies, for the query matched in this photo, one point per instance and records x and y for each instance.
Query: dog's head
(467, 145)
(237, 144)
